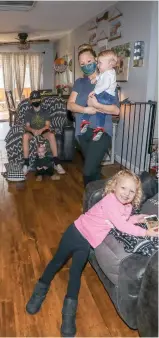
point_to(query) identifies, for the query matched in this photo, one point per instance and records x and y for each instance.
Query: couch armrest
(93, 193)
(68, 142)
(131, 272)
(14, 132)
(147, 309)
(149, 186)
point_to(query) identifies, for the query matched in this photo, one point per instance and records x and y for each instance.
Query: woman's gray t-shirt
(84, 87)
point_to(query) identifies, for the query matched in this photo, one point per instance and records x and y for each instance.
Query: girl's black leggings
(74, 245)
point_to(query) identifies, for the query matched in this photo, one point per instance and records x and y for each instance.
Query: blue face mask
(89, 69)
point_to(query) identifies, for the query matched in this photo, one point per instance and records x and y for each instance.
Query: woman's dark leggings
(74, 245)
(93, 153)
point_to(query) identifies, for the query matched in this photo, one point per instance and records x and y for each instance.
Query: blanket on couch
(133, 244)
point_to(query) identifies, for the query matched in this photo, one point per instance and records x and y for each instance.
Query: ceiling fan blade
(5, 37)
(39, 41)
(8, 43)
(45, 35)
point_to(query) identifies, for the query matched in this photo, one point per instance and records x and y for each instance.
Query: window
(26, 91)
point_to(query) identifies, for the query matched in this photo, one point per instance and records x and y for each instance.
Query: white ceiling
(49, 19)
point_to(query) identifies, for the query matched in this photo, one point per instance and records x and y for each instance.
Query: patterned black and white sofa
(62, 126)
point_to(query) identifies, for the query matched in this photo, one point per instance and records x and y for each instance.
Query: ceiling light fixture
(16, 5)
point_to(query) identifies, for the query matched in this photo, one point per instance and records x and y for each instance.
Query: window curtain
(7, 66)
(19, 64)
(68, 73)
(14, 70)
(35, 68)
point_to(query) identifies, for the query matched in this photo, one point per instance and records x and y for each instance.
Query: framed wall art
(138, 56)
(115, 24)
(115, 30)
(92, 31)
(102, 45)
(122, 69)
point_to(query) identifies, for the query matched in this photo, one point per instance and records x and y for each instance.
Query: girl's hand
(152, 233)
(91, 94)
(141, 218)
(94, 80)
(92, 101)
(89, 110)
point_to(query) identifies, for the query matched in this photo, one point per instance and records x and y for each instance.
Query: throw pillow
(14, 172)
(150, 207)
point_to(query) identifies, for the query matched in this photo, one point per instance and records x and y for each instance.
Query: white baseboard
(127, 164)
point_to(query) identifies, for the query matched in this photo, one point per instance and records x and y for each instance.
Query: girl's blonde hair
(110, 186)
(111, 54)
(108, 52)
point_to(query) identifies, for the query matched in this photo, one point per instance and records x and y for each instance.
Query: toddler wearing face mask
(105, 89)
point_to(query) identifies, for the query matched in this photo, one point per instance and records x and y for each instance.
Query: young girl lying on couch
(122, 193)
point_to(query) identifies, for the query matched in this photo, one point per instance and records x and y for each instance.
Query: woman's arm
(103, 108)
(76, 108)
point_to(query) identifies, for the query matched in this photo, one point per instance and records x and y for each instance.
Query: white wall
(152, 78)
(48, 60)
(139, 22)
(136, 25)
(69, 44)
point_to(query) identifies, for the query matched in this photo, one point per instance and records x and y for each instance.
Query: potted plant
(61, 89)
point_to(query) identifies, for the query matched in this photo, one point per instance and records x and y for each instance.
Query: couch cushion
(150, 207)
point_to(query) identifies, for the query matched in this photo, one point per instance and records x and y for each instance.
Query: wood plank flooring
(32, 220)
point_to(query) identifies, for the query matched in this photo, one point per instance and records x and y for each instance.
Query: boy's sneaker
(59, 169)
(84, 126)
(97, 133)
(25, 169)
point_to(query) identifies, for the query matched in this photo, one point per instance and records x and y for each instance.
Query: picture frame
(114, 29)
(138, 55)
(102, 44)
(92, 32)
(122, 69)
(92, 37)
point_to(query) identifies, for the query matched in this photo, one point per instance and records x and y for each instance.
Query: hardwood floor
(32, 218)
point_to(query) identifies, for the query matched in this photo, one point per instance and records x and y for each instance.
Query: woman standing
(77, 103)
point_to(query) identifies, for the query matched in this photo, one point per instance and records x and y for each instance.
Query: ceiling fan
(23, 42)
